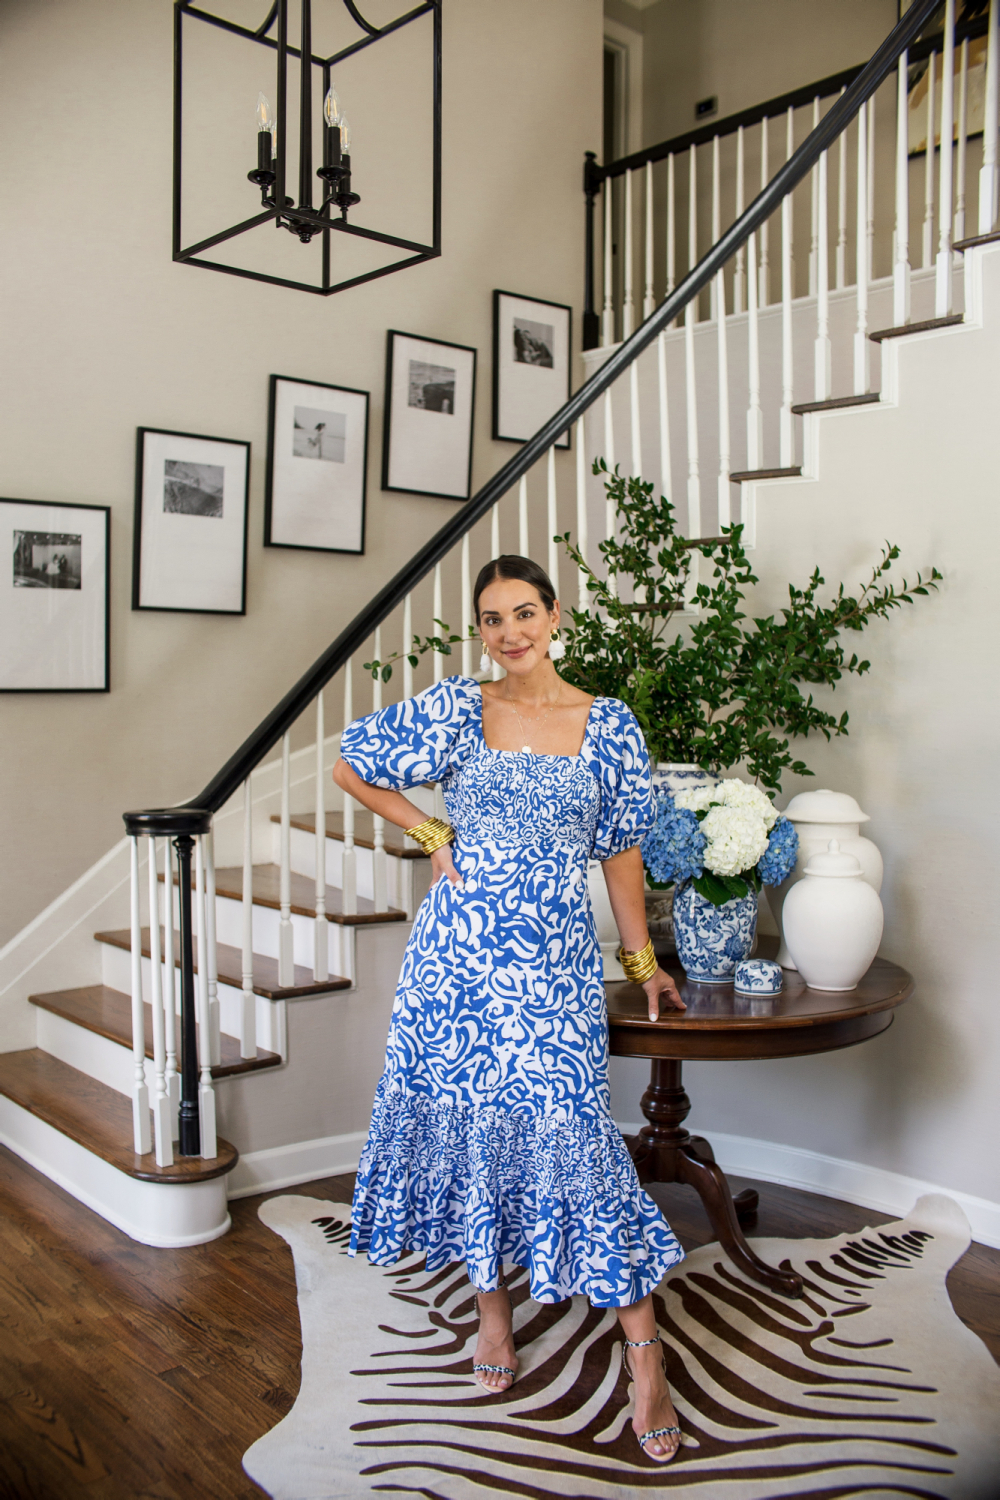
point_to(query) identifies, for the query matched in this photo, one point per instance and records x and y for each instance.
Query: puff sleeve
(410, 742)
(627, 812)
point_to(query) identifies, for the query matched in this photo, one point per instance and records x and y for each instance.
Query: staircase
(157, 1090)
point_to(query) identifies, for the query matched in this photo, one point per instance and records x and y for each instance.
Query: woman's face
(515, 625)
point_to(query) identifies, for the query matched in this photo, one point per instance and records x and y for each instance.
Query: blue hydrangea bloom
(674, 848)
(778, 859)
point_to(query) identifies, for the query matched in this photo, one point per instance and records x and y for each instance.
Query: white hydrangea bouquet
(727, 839)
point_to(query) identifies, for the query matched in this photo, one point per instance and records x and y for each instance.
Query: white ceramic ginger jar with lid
(832, 921)
(819, 817)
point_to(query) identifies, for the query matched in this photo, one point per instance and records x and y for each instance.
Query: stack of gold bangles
(638, 966)
(431, 834)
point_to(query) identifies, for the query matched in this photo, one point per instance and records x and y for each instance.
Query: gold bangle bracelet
(638, 966)
(431, 834)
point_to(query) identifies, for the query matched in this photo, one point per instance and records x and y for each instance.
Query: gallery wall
(103, 333)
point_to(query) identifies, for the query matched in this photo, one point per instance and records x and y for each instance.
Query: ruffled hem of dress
(478, 1185)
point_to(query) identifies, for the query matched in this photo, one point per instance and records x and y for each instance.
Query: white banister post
(466, 567)
(713, 299)
(765, 177)
(212, 953)
(522, 516)
(349, 867)
(407, 647)
(248, 1012)
(627, 305)
(286, 935)
(901, 262)
(861, 361)
(438, 608)
(814, 210)
(582, 539)
(666, 476)
(942, 279)
(671, 226)
(162, 1133)
(739, 274)
(823, 359)
(786, 432)
(321, 929)
(842, 208)
(648, 298)
(380, 872)
(927, 246)
(988, 180)
(206, 1090)
(140, 1093)
(608, 311)
(958, 231)
(755, 416)
(552, 517)
(173, 1078)
(870, 199)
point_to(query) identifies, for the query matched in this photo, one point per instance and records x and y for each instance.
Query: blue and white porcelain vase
(712, 940)
(679, 776)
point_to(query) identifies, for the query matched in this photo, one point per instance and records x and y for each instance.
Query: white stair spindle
(989, 187)
(671, 226)
(627, 305)
(380, 871)
(692, 307)
(942, 280)
(349, 875)
(582, 540)
(608, 311)
(713, 298)
(248, 1011)
(739, 273)
(842, 208)
(691, 391)
(286, 949)
(870, 198)
(408, 646)
(206, 1089)
(609, 459)
(666, 477)
(648, 299)
(634, 418)
(173, 1078)
(141, 1134)
(814, 210)
(928, 235)
(901, 264)
(522, 516)
(321, 927)
(722, 360)
(765, 176)
(786, 432)
(438, 608)
(496, 671)
(466, 566)
(162, 1133)
(755, 416)
(552, 518)
(212, 953)
(861, 361)
(958, 231)
(824, 357)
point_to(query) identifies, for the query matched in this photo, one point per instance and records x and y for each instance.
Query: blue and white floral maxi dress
(491, 1138)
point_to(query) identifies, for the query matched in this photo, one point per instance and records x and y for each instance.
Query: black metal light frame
(301, 217)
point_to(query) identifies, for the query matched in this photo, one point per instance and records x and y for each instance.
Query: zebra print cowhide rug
(870, 1385)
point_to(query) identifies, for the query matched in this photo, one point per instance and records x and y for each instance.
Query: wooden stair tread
(902, 329)
(836, 401)
(977, 239)
(96, 1117)
(108, 1013)
(265, 968)
(267, 892)
(742, 475)
(364, 832)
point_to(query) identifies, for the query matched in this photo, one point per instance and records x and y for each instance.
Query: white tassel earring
(485, 661)
(556, 648)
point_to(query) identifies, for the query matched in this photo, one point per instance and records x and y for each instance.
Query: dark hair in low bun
(508, 565)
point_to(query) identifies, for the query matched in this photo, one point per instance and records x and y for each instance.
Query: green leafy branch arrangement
(726, 689)
(419, 646)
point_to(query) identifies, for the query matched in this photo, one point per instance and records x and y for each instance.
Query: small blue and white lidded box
(758, 976)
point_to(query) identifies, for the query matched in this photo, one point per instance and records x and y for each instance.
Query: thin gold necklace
(526, 748)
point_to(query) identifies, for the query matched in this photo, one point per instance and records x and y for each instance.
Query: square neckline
(536, 755)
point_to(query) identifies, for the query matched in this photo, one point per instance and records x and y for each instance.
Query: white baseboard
(302, 1161)
(871, 1187)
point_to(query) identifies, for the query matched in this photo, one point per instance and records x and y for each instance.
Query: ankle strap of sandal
(640, 1343)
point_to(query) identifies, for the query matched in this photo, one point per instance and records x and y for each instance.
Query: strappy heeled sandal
(497, 1369)
(654, 1432)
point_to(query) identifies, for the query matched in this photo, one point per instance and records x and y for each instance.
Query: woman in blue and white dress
(492, 1139)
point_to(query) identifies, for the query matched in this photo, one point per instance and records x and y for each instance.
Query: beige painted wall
(103, 333)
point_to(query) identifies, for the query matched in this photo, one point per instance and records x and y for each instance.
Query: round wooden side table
(719, 1024)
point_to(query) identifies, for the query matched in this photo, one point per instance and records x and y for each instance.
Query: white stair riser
(266, 926)
(303, 861)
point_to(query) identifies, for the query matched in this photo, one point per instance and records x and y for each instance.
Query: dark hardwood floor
(128, 1373)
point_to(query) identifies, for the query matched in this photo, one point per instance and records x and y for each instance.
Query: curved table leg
(708, 1180)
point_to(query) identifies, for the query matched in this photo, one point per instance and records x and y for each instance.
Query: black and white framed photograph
(531, 350)
(430, 396)
(54, 597)
(317, 466)
(190, 545)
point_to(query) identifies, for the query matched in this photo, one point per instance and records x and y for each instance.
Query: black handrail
(284, 714)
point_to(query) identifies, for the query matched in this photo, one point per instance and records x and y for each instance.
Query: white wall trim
(871, 1187)
(301, 1161)
(628, 41)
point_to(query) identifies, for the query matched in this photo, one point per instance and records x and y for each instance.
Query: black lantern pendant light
(325, 195)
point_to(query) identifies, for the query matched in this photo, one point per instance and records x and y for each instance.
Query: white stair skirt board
(870, 1187)
(169, 1216)
(301, 1161)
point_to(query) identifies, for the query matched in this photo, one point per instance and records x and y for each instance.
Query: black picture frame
(289, 488)
(71, 631)
(413, 452)
(518, 410)
(163, 577)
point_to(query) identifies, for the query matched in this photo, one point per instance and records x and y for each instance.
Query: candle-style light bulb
(265, 118)
(331, 108)
(345, 134)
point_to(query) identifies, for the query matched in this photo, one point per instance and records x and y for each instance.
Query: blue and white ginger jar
(712, 940)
